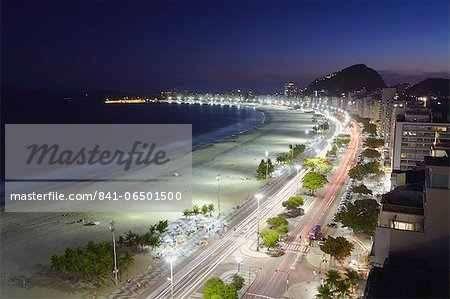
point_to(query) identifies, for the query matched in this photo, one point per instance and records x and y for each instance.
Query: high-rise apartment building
(290, 90)
(414, 134)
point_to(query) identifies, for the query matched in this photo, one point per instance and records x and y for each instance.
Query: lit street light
(258, 197)
(239, 262)
(218, 195)
(115, 270)
(170, 260)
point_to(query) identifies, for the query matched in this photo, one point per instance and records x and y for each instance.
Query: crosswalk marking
(295, 247)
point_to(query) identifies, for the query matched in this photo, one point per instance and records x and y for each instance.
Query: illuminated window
(402, 225)
(403, 155)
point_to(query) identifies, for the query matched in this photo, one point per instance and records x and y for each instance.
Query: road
(193, 274)
(274, 284)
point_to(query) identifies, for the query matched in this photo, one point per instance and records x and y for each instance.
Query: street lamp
(258, 196)
(218, 194)
(267, 164)
(307, 132)
(297, 167)
(292, 149)
(115, 270)
(239, 262)
(170, 260)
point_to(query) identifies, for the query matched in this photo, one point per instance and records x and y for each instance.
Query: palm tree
(332, 277)
(353, 278)
(205, 209)
(211, 209)
(324, 292)
(187, 213)
(162, 226)
(195, 210)
(125, 261)
(342, 289)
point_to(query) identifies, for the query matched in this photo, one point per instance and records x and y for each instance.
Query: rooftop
(404, 199)
(437, 161)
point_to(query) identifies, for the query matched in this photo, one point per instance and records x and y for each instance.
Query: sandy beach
(28, 240)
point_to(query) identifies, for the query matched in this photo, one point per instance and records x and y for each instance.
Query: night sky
(146, 46)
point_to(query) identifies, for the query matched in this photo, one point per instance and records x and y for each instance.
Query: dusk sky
(146, 46)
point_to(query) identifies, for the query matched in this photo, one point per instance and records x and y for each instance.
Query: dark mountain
(353, 78)
(431, 87)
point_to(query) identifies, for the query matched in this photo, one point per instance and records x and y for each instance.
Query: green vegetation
(341, 140)
(371, 153)
(338, 287)
(313, 181)
(270, 238)
(92, 264)
(237, 281)
(205, 210)
(362, 171)
(215, 288)
(361, 189)
(319, 165)
(361, 216)
(264, 168)
(148, 239)
(279, 224)
(370, 129)
(338, 247)
(293, 202)
(298, 149)
(333, 151)
(373, 142)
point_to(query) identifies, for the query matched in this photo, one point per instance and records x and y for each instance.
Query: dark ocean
(209, 122)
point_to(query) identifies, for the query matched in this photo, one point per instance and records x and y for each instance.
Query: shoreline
(38, 236)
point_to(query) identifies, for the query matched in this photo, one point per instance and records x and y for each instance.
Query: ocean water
(209, 122)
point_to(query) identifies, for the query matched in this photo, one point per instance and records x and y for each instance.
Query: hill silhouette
(353, 78)
(431, 86)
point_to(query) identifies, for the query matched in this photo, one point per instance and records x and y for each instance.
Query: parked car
(332, 224)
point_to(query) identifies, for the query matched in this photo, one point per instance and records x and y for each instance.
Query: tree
(313, 181)
(371, 153)
(162, 226)
(319, 165)
(370, 129)
(324, 292)
(187, 213)
(237, 281)
(125, 261)
(211, 209)
(195, 210)
(216, 288)
(277, 221)
(270, 238)
(332, 152)
(361, 216)
(332, 277)
(293, 202)
(205, 209)
(373, 142)
(353, 278)
(361, 171)
(361, 189)
(342, 289)
(262, 170)
(338, 247)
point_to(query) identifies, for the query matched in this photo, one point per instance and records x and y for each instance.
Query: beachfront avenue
(269, 277)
